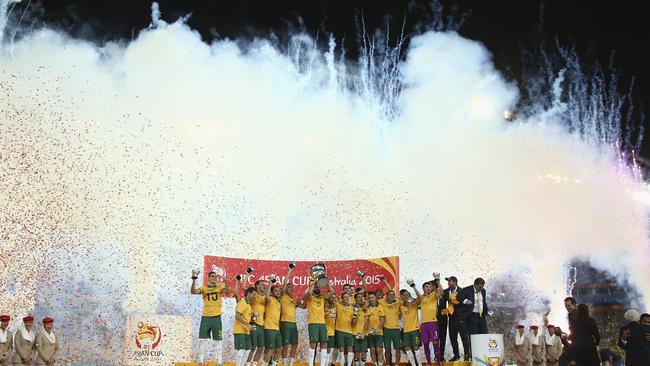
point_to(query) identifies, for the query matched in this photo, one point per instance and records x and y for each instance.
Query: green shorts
(344, 339)
(210, 327)
(375, 341)
(331, 343)
(242, 341)
(272, 339)
(257, 336)
(317, 333)
(412, 339)
(360, 345)
(392, 339)
(289, 332)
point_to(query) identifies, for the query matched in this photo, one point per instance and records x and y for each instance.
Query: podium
(488, 350)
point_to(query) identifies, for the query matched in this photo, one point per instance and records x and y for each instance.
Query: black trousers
(442, 332)
(459, 327)
(476, 324)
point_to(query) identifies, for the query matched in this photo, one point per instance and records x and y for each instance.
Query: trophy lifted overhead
(317, 273)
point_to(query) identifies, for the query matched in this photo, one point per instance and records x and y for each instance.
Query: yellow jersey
(244, 309)
(330, 320)
(361, 321)
(410, 315)
(391, 313)
(315, 309)
(288, 308)
(212, 299)
(272, 314)
(258, 306)
(344, 317)
(374, 321)
(429, 307)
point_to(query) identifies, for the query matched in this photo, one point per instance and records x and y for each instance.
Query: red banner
(338, 272)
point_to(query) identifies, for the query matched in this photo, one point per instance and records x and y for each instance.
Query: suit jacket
(6, 348)
(46, 349)
(464, 310)
(445, 300)
(637, 348)
(24, 349)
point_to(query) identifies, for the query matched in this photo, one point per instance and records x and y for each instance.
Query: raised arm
(267, 293)
(364, 284)
(288, 279)
(226, 289)
(195, 276)
(418, 296)
(439, 291)
(236, 290)
(309, 291)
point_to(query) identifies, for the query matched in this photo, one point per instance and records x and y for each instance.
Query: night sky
(596, 28)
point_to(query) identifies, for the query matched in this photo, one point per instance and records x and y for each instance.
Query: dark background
(504, 26)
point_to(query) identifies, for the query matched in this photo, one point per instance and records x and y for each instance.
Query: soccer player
(24, 343)
(376, 319)
(315, 300)
(258, 307)
(288, 328)
(46, 344)
(343, 329)
(243, 326)
(210, 326)
(272, 337)
(330, 322)
(360, 328)
(429, 326)
(392, 312)
(409, 311)
(6, 340)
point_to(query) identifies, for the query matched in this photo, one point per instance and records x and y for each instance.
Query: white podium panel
(488, 350)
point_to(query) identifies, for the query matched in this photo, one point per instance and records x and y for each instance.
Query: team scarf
(27, 335)
(534, 339)
(550, 339)
(519, 339)
(3, 335)
(50, 336)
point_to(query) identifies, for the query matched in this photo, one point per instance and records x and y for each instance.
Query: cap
(550, 326)
(28, 318)
(519, 326)
(48, 320)
(4, 318)
(534, 327)
(451, 278)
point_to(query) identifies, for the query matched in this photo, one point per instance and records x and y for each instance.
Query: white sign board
(157, 340)
(488, 350)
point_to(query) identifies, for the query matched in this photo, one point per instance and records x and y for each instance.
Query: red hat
(48, 320)
(550, 326)
(4, 318)
(519, 326)
(534, 327)
(28, 318)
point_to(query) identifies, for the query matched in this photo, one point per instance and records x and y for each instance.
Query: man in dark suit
(475, 307)
(634, 338)
(447, 308)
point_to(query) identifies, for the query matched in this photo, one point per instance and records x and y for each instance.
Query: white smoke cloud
(166, 149)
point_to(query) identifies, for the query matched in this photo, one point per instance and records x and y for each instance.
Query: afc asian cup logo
(220, 271)
(148, 336)
(492, 343)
